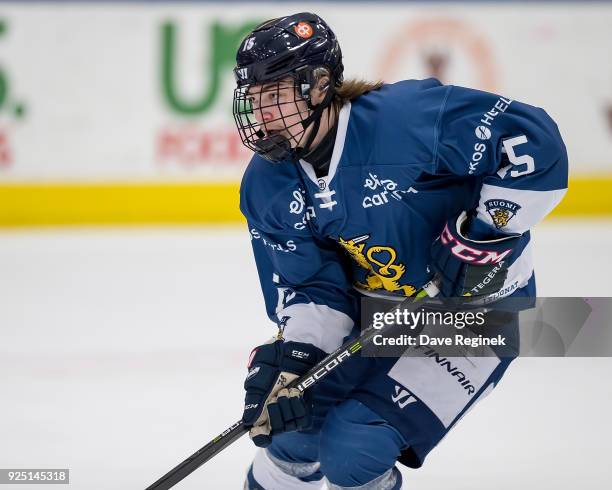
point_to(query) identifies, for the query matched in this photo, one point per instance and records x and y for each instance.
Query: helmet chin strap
(315, 119)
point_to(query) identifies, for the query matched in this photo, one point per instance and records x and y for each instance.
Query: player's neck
(328, 121)
(320, 154)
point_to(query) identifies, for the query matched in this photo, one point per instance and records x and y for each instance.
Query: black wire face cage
(272, 118)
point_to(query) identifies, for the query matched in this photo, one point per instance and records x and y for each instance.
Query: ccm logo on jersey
(469, 254)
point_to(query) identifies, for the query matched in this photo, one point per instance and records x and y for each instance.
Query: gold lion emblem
(501, 217)
(379, 261)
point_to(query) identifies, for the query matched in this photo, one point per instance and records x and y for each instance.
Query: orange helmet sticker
(303, 30)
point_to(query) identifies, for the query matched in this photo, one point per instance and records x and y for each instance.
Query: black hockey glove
(470, 266)
(269, 408)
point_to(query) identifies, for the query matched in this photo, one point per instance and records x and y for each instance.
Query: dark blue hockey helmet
(297, 49)
(284, 46)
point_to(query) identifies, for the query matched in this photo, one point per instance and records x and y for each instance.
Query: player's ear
(317, 93)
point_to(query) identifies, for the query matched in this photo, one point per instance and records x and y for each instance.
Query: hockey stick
(318, 372)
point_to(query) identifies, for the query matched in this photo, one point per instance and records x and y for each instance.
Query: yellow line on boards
(25, 204)
(62, 204)
(587, 196)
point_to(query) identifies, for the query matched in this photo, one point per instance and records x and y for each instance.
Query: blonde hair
(353, 88)
(349, 89)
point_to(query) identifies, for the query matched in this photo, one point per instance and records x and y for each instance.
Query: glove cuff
(292, 357)
(298, 357)
(477, 230)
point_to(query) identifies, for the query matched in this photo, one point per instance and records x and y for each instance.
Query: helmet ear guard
(307, 79)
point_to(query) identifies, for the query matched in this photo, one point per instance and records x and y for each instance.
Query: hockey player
(361, 188)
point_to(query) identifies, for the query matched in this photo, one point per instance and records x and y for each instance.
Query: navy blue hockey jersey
(406, 158)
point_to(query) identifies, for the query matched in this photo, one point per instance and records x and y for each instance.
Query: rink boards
(121, 112)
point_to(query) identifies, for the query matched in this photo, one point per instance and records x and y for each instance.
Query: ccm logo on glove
(469, 254)
(253, 372)
(300, 355)
(470, 258)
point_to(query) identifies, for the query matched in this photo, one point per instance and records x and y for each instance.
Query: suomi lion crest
(501, 211)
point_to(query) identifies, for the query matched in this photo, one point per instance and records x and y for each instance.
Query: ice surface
(124, 351)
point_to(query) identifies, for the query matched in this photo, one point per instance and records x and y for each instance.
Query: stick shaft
(313, 376)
